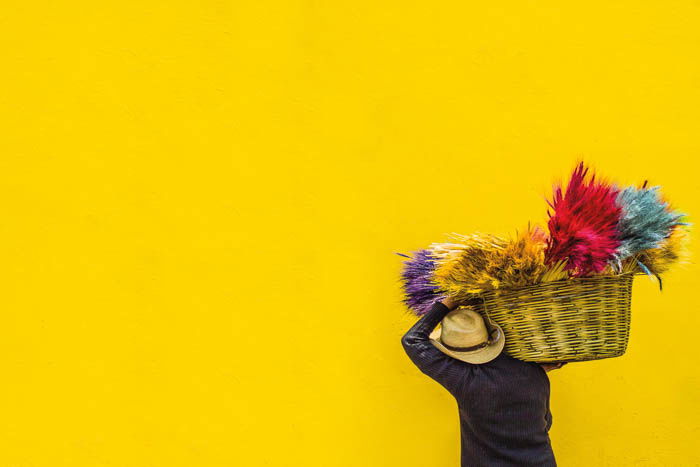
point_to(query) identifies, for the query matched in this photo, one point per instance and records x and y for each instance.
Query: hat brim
(483, 355)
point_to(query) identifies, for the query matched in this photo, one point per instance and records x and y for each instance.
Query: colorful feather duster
(594, 228)
(486, 262)
(471, 271)
(523, 260)
(445, 251)
(656, 261)
(645, 221)
(583, 227)
(673, 250)
(420, 293)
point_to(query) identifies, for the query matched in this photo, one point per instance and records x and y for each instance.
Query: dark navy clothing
(503, 404)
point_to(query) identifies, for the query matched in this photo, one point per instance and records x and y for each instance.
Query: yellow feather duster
(673, 250)
(443, 252)
(555, 272)
(471, 270)
(482, 262)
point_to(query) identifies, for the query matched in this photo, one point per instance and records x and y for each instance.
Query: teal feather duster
(645, 221)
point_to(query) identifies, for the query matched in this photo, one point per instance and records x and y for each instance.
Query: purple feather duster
(420, 293)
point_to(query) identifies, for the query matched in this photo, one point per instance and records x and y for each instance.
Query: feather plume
(555, 272)
(442, 252)
(472, 270)
(645, 221)
(583, 224)
(673, 250)
(523, 259)
(656, 261)
(420, 293)
(483, 262)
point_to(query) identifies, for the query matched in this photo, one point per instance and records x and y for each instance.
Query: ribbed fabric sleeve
(440, 367)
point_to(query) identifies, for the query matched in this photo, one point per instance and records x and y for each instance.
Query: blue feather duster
(645, 221)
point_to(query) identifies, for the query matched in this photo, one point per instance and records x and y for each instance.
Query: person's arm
(447, 371)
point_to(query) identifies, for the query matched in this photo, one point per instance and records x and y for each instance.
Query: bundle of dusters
(562, 293)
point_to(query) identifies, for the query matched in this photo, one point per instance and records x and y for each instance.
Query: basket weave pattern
(578, 319)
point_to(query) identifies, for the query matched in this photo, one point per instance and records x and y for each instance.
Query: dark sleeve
(447, 371)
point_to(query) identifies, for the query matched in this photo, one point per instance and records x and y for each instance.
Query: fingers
(552, 366)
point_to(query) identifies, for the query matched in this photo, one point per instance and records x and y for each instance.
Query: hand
(450, 303)
(547, 367)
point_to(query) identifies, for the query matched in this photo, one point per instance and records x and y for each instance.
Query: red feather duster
(583, 228)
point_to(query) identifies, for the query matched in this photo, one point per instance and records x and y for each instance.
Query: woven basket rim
(557, 283)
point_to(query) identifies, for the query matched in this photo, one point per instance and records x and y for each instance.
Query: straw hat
(465, 336)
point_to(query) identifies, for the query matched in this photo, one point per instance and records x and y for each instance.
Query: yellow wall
(201, 201)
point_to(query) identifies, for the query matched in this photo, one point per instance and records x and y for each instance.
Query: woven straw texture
(568, 320)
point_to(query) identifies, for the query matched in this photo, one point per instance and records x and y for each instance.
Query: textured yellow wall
(201, 201)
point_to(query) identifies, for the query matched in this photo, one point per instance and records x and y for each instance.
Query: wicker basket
(568, 320)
